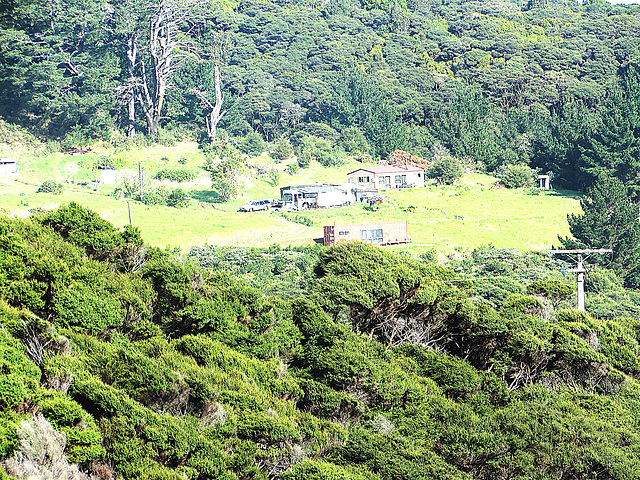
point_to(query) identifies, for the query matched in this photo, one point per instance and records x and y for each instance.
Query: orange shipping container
(387, 233)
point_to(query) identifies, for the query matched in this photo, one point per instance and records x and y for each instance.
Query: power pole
(141, 175)
(581, 256)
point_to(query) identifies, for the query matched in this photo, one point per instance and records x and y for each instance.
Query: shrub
(20, 377)
(455, 376)
(293, 168)
(319, 149)
(154, 198)
(84, 442)
(41, 453)
(353, 140)
(304, 159)
(178, 199)
(516, 176)
(447, 170)
(252, 144)
(49, 186)
(322, 130)
(282, 149)
(87, 309)
(274, 176)
(549, 288)
(85, 228)
(175, 175)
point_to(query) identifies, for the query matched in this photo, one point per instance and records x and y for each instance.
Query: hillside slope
(386, 369)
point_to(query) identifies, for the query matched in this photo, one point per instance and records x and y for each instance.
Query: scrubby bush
(282, 149)
(252, 144)
(447, 170)
(516, 176)
(20, 377)
(85, 228)
(176, 175)
(41, 453)
(178, 199)
(320, 150)
(154, 198)
(353, 140)
(87, 309)
(550, 288)
(84, 442)
(293, 168)
(49, 186)
(304, 159)
(322, 130)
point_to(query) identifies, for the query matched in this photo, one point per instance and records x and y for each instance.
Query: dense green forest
(121, 360)
(551, 84)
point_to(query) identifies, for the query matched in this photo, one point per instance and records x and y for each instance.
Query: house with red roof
(388, 177)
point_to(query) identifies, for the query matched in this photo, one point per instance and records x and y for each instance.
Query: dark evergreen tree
(610, 220)
(557, 140)
(466, 127)
(613, 148)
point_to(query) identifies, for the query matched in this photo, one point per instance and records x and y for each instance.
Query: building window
(381, 180)
(343, 233)
(372, 236)
(398, 180)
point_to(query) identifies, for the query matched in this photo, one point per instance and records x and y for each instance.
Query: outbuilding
(8, 167)
(317, 196)
(385, 233)
(387, 177)
(108, 175)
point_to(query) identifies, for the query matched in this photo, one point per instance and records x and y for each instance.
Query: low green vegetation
(372, 365)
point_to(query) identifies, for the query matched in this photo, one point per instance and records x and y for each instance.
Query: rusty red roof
(389, 169)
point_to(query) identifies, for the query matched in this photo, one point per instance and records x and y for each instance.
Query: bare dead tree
(216, 113)
(130, 88)
(169, 46)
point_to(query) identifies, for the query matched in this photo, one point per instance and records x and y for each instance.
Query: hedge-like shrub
(49, 186)
(176, 175)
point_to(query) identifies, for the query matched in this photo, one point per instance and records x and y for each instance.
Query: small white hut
(8, 167)
(544, 182)
(107, 175)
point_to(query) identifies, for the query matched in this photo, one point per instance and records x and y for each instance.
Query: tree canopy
(552, 85)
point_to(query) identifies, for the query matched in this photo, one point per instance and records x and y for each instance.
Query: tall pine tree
(610, 220)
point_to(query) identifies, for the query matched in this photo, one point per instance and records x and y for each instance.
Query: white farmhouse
(388, 177)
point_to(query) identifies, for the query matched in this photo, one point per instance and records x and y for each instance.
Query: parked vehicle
(255, 205)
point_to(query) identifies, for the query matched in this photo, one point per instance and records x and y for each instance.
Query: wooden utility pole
(141, 176)
(580, 270)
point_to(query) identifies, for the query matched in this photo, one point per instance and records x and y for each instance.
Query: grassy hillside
(504, 218)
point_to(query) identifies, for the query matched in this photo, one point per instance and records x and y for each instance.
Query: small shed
(8, 167)
(107, 175)
(544, 182)
(386, 233)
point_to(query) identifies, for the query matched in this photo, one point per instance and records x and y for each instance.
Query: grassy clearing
(503, 218)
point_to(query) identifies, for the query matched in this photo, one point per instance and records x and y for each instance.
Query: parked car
(255, 205)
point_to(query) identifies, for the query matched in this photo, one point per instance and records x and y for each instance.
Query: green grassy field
(503, 218)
